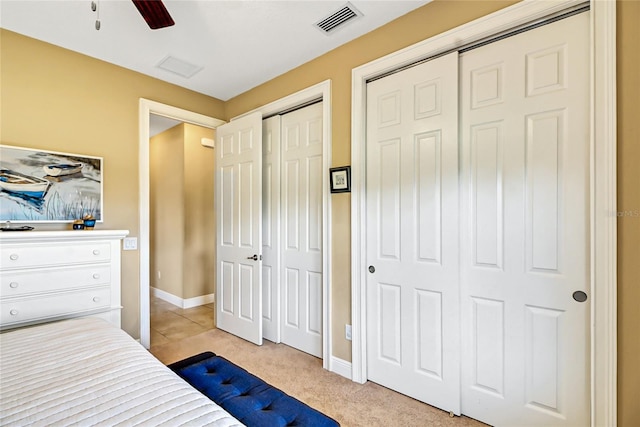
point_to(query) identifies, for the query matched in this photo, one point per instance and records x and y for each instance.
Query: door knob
(254, 257)
(579, 296)
(372, 269)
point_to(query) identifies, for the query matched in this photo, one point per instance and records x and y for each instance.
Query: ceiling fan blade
(154, 12)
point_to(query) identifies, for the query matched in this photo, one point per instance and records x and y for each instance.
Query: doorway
(146, 108)
(321, 91)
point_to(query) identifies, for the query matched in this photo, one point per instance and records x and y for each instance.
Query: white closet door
(238, 199)
(525, 227)
(271, 228)
(413, 343)
(301, 214)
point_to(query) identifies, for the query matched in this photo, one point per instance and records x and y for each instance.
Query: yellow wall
(55, 99)
(58, 100)
(200, 218)
(628, 63)
(182, 218)
(166, 211)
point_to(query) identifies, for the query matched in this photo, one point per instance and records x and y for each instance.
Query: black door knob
(579, 296)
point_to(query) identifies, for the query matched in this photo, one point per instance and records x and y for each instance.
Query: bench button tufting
(251, 395)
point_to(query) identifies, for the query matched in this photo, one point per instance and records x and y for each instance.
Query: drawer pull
(96, 276)
(13, 257)
(13, 312)
(96, 299)
(13, 285)
(96, 252)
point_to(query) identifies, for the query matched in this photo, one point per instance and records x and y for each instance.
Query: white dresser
(51, 275)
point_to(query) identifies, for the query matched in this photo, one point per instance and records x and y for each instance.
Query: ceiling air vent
(178, 66)
(338, 18)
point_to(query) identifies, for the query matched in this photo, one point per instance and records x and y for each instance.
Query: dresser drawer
(23, 256)
(24, 282)
(19, 310)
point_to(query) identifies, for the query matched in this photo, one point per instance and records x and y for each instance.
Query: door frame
(318, 91)
(603, 252)
(145, 108)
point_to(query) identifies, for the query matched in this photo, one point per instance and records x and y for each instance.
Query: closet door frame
(320, 91)
(603, 254)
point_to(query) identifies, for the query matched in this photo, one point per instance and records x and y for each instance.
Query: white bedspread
(86, 372)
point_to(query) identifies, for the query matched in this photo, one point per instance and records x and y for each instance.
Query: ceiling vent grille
(179, 67)
(340, 17)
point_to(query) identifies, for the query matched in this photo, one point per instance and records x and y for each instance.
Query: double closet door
(269, 204)
(477, 229)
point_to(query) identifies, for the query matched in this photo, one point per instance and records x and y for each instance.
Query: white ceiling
(240, 44)
(158, 124)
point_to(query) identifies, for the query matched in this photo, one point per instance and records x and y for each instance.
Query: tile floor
(171, 323)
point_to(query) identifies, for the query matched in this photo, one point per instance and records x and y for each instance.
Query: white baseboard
(180, 302)
(340, 367)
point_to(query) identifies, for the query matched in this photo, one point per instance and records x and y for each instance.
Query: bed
(88, 372)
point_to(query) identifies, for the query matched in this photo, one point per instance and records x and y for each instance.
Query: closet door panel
(525, 227)
(412, 232)
(301, 200)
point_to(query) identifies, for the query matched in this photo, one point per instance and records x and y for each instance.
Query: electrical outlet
(159, 275)
(347, 332)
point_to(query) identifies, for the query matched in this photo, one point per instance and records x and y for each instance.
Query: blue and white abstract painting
(37, 186)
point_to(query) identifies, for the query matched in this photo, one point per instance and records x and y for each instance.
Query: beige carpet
(302, 376)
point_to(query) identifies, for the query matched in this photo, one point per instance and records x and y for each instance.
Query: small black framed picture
(340, 179)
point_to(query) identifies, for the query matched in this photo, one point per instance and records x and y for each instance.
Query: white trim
(319, 90)
(603, 173)
(322, 89)
(604, 310)
(198, 301)
(180, 302)
(340, 367)
(166, 296)
(145, 108)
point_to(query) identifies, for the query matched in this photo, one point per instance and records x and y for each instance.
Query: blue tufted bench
(245, 396)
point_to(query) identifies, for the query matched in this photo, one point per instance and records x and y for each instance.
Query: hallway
(170, 323)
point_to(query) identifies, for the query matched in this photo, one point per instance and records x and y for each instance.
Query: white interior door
(412, 233)
(525, 227)
(271, 228)
(238, 199)
(301, 216)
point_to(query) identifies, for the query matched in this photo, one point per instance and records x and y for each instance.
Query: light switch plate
(130, 243)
